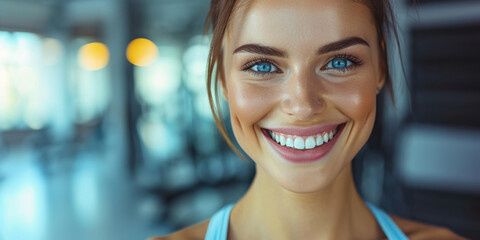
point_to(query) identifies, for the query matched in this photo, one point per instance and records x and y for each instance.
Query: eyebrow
(271, 51)
(339, 45)
(262, 50)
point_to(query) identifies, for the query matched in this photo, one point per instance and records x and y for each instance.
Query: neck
(268, 211)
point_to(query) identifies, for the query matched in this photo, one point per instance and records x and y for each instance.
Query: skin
(315, 200)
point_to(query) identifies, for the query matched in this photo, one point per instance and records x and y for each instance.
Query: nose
(303, 97)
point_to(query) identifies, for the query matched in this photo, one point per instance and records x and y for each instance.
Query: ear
(383, 66)
(381, 80)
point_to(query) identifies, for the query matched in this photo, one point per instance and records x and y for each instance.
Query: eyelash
(353, 59)
(247, 67)
(355, 62)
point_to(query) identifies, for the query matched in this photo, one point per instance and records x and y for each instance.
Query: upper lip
(305, 131)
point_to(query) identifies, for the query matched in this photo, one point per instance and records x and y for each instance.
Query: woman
(301, 79)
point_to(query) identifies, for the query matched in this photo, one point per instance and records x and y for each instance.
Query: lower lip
(306, 155)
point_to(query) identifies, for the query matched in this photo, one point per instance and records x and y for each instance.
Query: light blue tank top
(218, 226)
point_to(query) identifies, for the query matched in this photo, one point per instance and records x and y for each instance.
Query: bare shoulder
(195, 232)
(420, 231)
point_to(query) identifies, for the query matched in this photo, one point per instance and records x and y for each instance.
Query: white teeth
(289, 142)
(319, 140)
(299, 143)
(282, 140)
(309, 143)
(325, 138)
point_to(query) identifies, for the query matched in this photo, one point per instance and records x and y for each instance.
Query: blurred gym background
(106, 132)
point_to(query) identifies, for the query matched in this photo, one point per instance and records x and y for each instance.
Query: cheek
(357, 101)
(356, 98)
(249, 103)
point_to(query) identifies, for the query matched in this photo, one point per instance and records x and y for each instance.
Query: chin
(306, 180)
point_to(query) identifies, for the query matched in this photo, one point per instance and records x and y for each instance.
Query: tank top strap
(391, 230)
(218, 226)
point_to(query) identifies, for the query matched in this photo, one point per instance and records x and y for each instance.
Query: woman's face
(301, 79)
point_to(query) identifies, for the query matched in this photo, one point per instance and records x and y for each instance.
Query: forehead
(292, 23)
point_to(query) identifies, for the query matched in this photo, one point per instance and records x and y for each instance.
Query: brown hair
(218, 19)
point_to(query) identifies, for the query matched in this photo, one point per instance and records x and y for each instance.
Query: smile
(299, 142)
(303, 145)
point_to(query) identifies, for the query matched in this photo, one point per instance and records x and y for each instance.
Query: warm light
(93, 56)
(141, 52)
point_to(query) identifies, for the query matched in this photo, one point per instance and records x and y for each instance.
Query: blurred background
(106, 132)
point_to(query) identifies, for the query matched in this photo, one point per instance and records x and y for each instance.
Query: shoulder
(420, 231)
(195, 232)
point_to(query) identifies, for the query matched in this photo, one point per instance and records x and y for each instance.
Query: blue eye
(338, 63)
(264, 67)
